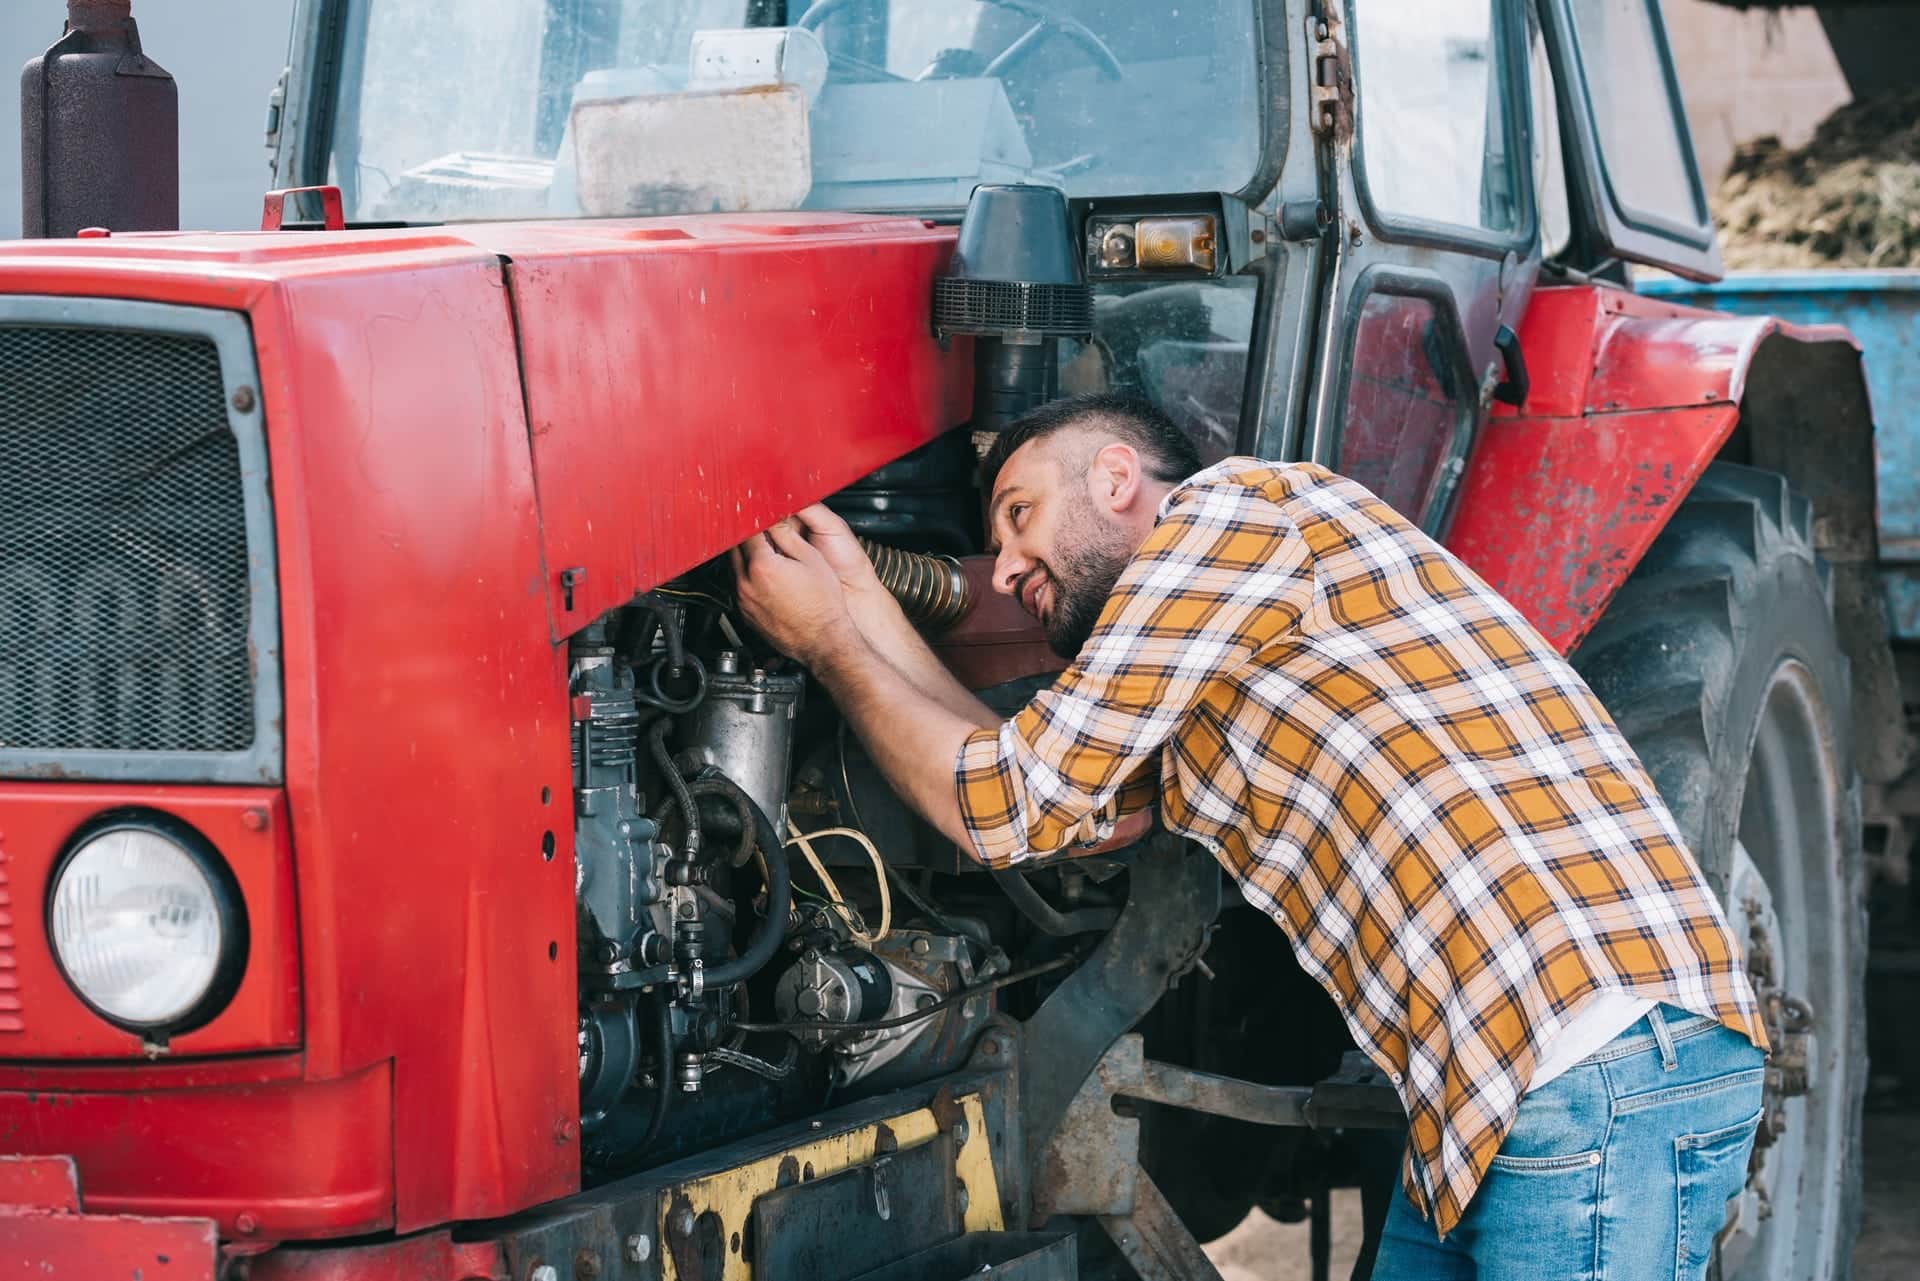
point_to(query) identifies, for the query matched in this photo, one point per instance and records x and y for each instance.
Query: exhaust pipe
(99, 130)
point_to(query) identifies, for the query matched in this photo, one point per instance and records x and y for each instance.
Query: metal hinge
(276, 112)
(1330, 93)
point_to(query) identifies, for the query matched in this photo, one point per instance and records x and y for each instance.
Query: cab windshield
(483, 109)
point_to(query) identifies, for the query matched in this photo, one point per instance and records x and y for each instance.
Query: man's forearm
(900, 644)
(912, 735)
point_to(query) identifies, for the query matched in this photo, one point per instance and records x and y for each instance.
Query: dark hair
(1169, 453)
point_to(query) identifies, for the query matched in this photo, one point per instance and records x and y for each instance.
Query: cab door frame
(1475, 281)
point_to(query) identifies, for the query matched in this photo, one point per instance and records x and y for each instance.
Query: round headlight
(147, 925)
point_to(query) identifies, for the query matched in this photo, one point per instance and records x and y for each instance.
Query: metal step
(995, 1256)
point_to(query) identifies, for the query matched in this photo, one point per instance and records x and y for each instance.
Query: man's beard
(1091, 555)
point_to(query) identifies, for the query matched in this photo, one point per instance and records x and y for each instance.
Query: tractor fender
(1630, 399)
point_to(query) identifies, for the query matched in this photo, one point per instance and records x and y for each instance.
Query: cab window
(1434, 141)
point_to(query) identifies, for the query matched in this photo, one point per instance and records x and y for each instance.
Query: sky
(225, 55)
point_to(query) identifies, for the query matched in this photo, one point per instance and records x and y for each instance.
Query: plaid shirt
(1393, 765)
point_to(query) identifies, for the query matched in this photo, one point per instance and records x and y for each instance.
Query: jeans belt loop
(1664, 1038)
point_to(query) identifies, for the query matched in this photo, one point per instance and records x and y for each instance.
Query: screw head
(243, 399)
(247, 1224)
(961, 1134)
(639, 1248)
(682, 1222)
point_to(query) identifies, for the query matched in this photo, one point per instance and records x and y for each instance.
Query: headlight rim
(230, 905)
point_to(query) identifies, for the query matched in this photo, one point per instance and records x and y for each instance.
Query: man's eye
(1016, 514)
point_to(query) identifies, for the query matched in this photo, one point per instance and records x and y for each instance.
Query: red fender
(1631, 399)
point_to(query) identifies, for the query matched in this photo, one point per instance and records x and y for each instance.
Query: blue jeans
(1618, 1170)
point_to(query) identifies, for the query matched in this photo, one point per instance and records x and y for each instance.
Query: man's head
(1074, 488)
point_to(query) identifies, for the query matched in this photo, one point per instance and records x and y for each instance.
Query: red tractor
(410, 866)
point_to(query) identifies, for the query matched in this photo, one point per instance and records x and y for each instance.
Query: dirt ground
(1888, 1249)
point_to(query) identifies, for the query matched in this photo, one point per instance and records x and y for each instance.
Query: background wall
(225, 56)
(1750, 72)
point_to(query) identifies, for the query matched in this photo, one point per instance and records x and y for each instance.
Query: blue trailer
(1882, 310)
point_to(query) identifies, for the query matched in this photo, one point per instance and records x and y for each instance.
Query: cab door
(1422, 113)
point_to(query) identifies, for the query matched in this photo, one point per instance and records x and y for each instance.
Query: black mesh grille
(1010, 306)
(123, 546)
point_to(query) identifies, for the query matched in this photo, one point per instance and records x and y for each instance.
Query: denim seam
(1621, 1049)
(1680, 1093)
(1600, 1197)
(1545, 1164)
(1679, 1212)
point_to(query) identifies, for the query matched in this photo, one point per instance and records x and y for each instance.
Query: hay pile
(1849, 198)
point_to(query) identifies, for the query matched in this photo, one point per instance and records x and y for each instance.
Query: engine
(763, 926)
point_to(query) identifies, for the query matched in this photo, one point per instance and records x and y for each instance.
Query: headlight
(147, 924)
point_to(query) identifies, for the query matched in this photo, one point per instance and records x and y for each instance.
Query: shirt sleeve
(1222, 576)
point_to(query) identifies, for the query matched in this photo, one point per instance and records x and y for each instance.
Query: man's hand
(875, 612)
(792, 594)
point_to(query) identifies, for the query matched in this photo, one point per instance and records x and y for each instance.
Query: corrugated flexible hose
(931, 589)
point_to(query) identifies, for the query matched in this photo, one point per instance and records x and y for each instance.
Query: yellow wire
(805, 841)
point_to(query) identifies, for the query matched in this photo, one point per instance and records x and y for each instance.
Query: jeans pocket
(1711, 1169)
(1547, 1164)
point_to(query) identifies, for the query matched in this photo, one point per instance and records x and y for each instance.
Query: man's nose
(1008, 566)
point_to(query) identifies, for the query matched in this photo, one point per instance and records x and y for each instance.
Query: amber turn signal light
(1182, 243)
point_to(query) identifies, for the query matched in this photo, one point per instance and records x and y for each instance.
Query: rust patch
(789, 1172)
(884, 1140)
(947, 1113)
(682, 1242)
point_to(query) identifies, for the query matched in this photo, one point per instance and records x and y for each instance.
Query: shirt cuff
(994, 804)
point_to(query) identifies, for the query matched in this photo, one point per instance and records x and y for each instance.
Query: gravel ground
(1888, 1249)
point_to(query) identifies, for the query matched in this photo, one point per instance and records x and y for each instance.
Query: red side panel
(690, 383)
(426, 728)
(1631, 399)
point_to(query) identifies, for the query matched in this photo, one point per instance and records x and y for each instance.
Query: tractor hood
(456, 447)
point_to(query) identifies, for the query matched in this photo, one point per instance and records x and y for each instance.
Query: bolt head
(682, 1221)
(545, 1272)
(639, 1248)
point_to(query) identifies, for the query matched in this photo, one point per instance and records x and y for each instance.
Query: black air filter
(1016, 284)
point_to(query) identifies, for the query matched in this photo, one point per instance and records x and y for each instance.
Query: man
(1392, 764)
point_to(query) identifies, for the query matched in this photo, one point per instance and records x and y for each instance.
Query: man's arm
(913, 737)
(886, 627)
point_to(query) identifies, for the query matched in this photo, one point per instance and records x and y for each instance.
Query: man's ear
(1115, 477)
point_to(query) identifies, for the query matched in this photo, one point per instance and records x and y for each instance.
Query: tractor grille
(125, 598)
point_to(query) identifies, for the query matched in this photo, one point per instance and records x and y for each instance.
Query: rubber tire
(1683, 658)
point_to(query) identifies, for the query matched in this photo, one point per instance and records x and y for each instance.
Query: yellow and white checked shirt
(1394, 765)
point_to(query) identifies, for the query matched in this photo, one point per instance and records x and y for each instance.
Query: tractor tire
(1720, 663)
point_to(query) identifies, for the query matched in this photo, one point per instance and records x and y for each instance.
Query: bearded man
(1390, 762)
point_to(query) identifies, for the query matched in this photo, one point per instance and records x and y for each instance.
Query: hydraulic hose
(663, 1074)
(657, 743)
(1047, 918)
(931, 589)
(767, 935)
